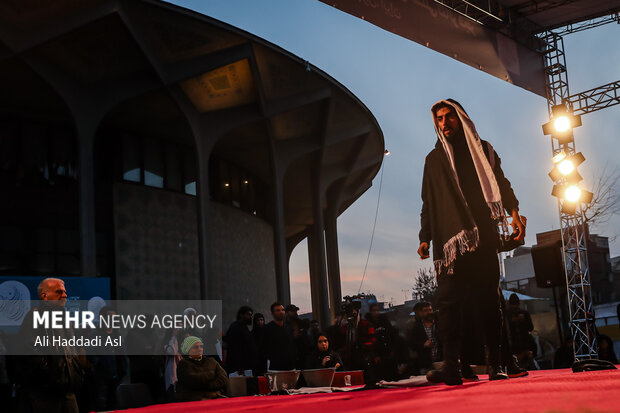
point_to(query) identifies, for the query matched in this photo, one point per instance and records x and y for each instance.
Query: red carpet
(542, 391)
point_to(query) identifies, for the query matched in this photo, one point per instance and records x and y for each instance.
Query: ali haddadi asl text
(59, 341)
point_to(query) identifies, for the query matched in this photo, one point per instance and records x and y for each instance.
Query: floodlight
(572, 193)
(566, 167)
(557, 158)
(561, 124)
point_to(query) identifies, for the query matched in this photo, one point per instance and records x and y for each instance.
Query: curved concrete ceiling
(126, 52)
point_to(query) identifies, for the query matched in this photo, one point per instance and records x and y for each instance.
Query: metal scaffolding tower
(573, 228)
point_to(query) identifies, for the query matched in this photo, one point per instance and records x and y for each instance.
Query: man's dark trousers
(469, 299)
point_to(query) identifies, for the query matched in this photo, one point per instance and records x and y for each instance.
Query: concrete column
(333, 264)
(316, 244)
(207, 283)
(283, 283)
(86, 184)
(314, 288)
(207, 128)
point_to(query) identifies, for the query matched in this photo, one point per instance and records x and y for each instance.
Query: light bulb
(561, 123)
(572, 193)
(566, 167)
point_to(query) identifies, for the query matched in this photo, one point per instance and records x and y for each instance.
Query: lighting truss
(578, 285)
(574, 242)
(588, 24)
(596, 99)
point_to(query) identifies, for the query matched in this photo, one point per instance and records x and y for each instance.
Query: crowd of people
(184, 370)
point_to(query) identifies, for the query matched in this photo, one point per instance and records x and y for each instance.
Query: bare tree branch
(606, 201)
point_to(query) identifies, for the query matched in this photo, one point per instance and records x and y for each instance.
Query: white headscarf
(488, 183)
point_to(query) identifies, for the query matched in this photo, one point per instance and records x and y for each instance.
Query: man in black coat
(278, 347)
(423, 339)
(465, 198)
(50, 375)
(242, 353)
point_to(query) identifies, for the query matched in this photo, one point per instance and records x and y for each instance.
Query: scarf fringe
(465, 241)
(497, 210)
(498, 215)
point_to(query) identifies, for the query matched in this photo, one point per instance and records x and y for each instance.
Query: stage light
(572, 193)
(566, 167)
(561, 124)
(557, 158)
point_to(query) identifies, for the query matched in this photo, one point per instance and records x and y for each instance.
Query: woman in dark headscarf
(322, 357)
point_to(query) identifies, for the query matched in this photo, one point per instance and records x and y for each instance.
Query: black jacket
(315, 360)
(444, 211)
(55, 369)
(200, 379)
(416, 337)
(242, 353)
(279, 347)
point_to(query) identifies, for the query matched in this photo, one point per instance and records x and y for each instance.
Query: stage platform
(542, 391)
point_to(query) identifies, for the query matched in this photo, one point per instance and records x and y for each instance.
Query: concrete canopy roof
(134, 56)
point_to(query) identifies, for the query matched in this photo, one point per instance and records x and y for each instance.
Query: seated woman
(322, 357)
(199, 377)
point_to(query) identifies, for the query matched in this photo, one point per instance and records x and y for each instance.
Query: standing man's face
(55, 291)
(278, 313)
(246, 318)
(426, 313)
(448, 122)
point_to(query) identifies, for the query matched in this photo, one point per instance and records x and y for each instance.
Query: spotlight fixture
(566, 167)
(561, 124)
(571, 195)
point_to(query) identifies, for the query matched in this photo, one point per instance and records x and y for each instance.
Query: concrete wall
(156, 247)
(156, 244)
(242, 260)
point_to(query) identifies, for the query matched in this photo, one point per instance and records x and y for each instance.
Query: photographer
(360, 342)
(384, 348)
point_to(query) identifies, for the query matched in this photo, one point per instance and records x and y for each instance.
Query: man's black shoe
(468, 374)
(451, 375)
(496, 373)
(514, 370)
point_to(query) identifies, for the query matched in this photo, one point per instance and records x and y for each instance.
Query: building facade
(173, 153)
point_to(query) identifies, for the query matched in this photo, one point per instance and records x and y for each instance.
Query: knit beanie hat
(188, 343)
